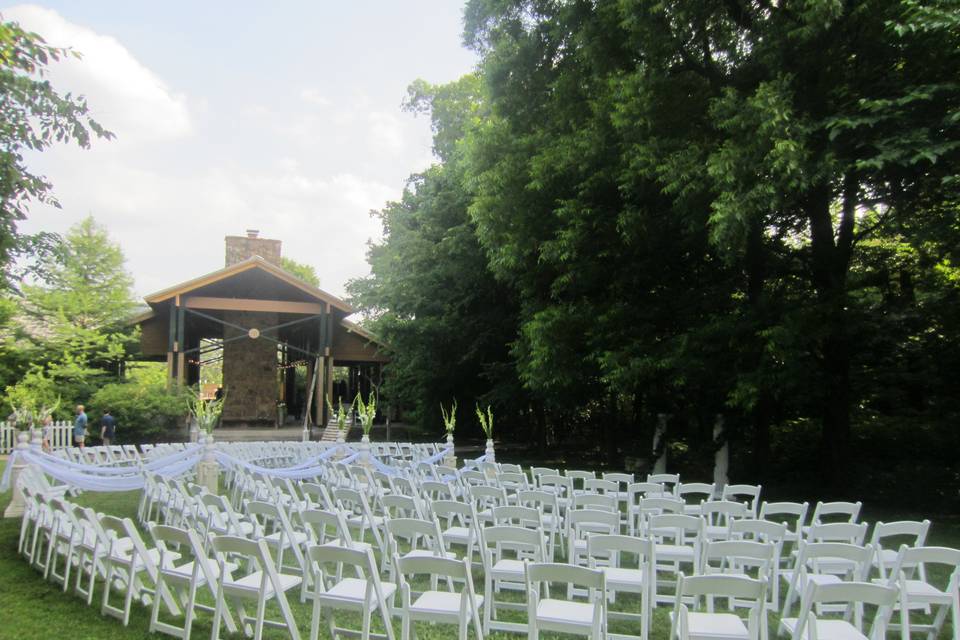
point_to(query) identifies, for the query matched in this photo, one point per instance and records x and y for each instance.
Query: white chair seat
(623, 579)
(507, 568)
(921, 592)
(674, 552)
(564, 612)
(457, 535)
(185, 571)
(826, 629)
(297, 538)
(354, 544)
(432, 603)
(716, 625)
(354, 590)
(252, 583)
(427, 553)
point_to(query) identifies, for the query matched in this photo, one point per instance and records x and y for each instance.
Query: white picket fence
(61, 436)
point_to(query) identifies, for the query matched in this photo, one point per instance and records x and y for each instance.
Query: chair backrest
(908, 557)
(454, 512)
(545, 501)
(584, 522)
(683, 530)
(738, 556)
(422, 534)
(400, 506)
(538, 573)
(748, 493)
(694, 492)
(838, 532)
(318, 495)
(838, 511)
(614, 548)
(758, 530)
(723, 512)
(499, 539)
(793, 514)
(435, 490)
(537, 472)
(815, 554)
(602, 487)
(487, 497)
(324, 527)
(622, 479)
(913, 533)
(518, 516)
(361, 560)
(595, 501)
(506, 467)
(669, 480)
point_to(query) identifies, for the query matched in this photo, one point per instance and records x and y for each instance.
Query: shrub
(145, 410)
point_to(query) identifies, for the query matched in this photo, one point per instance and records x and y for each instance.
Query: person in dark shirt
(108, 425)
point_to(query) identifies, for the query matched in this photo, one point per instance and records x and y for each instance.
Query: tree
(303, 271)
(76, 322)
(33, 116)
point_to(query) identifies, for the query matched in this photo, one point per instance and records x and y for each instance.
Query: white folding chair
(608, 554)
(504, 550)
(693, 493)
(261, 583)
(746, 493)
(184, 572)
(909, 532)
(567, 616)
(825, 563)
(850, 598)
(461, 608)
(709, 624)
(363, 593)
(918, 592)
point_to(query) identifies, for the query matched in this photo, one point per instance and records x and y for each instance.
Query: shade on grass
(31, 607)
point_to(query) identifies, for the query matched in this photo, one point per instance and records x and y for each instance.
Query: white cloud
(123, 94)
(313, 96)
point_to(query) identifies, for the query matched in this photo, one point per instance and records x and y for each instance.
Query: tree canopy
(33, 117)
(737, 208)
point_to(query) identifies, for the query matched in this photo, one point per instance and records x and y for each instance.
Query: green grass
(31, 607)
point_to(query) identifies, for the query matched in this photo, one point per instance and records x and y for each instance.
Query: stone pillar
(17, 504)
(450, 460)
(660, 465)
(250, 371)
(208, 471)
(721, 459)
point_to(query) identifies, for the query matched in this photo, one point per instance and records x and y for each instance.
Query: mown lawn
(31, 607)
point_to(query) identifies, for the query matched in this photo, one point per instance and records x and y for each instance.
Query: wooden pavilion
(264, 323)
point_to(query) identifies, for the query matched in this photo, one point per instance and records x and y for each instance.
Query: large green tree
(33, 117)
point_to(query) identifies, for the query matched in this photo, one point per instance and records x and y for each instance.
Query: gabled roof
(255, 262)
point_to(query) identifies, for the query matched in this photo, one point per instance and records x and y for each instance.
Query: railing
(61, 436)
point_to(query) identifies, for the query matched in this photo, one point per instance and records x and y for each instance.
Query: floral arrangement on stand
(205, 413)
(486, 423)
(449, 419)
(366, 412)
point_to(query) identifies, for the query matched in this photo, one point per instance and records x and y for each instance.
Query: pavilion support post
(180, 344)
(328, 380)
(171, 345)
(721, 459)
(660, 445)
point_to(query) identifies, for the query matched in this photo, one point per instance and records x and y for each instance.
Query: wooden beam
(250, 304)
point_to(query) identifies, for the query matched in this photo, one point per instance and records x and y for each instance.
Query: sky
(279, 116)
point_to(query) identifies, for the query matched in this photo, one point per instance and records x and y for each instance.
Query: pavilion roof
(254, 262)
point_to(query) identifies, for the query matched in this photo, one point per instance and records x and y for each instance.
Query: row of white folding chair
(848, 598)
(96, 546)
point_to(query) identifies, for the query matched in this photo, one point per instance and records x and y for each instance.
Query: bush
(145, 410)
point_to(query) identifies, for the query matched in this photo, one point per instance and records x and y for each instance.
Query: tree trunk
(830, 259)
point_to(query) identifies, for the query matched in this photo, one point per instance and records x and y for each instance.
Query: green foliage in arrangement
(340, 414)
(366, 411)
(205, 412)
(486, 420)
(449, 417)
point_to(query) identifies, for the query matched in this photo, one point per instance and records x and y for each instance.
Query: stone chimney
(239, 248)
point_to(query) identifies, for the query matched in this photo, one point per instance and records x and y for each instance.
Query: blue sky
(281, 116)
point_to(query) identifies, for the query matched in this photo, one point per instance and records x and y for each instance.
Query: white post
(194, 430)
(365, 450)
(16, 507)
(451, 458)
(660, 465)
(721, 459)
(208, 471)
(491, 456)
(306, 433)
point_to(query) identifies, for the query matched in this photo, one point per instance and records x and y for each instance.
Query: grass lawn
(31, 607)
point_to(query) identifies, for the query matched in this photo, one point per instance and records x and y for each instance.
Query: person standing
(108, 425)
(48, 433)
(80, 427)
